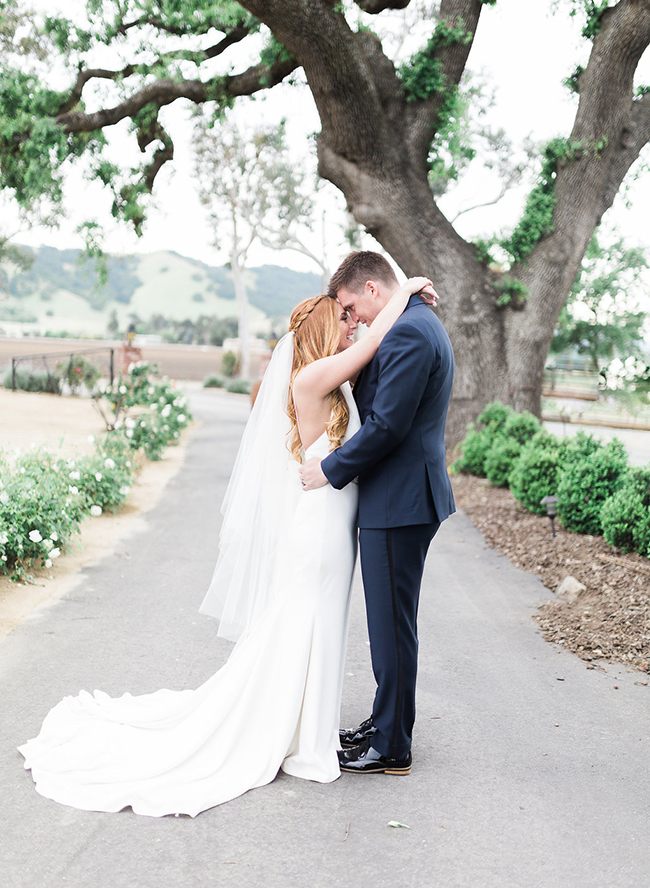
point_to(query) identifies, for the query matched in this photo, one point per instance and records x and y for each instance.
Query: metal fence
(58, 365)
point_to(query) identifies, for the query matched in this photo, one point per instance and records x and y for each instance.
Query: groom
(404, 493)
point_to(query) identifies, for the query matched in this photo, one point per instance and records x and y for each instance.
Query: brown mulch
(611, 619)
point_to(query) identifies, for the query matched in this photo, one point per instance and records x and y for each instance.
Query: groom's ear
(371, 289)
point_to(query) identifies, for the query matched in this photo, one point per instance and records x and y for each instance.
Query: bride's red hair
(315, 323)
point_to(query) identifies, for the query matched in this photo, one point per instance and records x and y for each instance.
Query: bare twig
(621, 562)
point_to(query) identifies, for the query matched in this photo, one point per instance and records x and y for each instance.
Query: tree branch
(376, 6)
(609, 131)
(235, 36)
(165, 91)
(89, 74)
(452, 58)
(635, 136)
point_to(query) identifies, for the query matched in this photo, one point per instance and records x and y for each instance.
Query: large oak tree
(380, 126)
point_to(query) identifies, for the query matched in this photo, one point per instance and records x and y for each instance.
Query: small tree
(253, 193)
(12, 255)
(602, 318)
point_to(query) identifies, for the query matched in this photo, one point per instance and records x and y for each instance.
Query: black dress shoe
(363, 759)
(354, 736)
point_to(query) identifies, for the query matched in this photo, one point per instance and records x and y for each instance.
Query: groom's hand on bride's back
(311, 474)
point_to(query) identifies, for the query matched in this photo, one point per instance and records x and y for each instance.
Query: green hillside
(60, 292)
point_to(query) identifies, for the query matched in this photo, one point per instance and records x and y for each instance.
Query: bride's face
(347, 327)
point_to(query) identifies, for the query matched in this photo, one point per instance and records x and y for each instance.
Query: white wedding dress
(274, 704)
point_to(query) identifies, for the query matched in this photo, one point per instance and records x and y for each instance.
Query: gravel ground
(610, 621)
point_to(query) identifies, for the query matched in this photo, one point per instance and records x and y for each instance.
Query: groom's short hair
(359, 267)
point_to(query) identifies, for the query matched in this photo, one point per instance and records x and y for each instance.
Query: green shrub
(474, 449)
(535, 474)
(586, 481)
(500, 459)
(580, 446)
(239, 387)
(40, 510)
(625, 516)
(228, 363)
(78, 371)
(495, 415)
(28, 380)
(214, 381)
(167, 415)
(520, 426)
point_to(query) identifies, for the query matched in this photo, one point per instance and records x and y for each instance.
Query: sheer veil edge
(260, 497)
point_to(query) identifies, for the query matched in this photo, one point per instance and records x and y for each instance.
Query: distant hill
(60, 291)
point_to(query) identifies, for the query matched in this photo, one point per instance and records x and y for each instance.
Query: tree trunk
(374, 145)
(241, 297)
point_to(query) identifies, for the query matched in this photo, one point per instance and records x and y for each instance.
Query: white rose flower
(48, 563)
(167, 409)
(180, 417)
(150, 390)
(4, 538)
(153, 406)
(54, 536)
(109, 463)
(75, 476)
(122, 389)
(22, 471)
(129, 423)
(128, 463)
(73, 490)
(98, 476)
(35, 536)
(55, 553)
(4, 497)
(71, 463)
(129, 433)
(95, 511)
(124, 491)
(4, 557)
(48, 544)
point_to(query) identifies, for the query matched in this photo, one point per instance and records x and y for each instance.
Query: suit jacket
(399, 453)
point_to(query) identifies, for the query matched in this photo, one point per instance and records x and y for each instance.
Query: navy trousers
(392, 562)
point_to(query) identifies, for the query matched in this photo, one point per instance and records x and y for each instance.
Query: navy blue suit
(398, 456)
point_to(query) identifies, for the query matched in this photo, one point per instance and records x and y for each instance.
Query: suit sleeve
(405, 359)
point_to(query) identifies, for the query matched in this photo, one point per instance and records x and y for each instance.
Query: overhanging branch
(165, 91)
(376, 6)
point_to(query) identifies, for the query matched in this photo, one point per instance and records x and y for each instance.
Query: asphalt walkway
(529, 769)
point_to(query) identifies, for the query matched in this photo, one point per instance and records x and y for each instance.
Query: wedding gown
(274, 704)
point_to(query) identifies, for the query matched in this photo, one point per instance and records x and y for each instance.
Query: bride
(281, 591)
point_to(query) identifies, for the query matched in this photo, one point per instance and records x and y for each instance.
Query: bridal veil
(262, 491)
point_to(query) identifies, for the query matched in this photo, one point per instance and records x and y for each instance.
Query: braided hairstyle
(315, 322)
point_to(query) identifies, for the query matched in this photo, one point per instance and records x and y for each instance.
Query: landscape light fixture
(551, 509)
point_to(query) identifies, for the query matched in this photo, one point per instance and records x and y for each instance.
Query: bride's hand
(429, 295)
(424, 287)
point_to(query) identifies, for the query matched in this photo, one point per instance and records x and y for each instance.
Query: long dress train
(274, 704)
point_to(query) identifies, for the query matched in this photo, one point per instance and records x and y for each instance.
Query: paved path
(530, 770)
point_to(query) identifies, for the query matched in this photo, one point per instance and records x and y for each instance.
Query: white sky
(521, 50)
